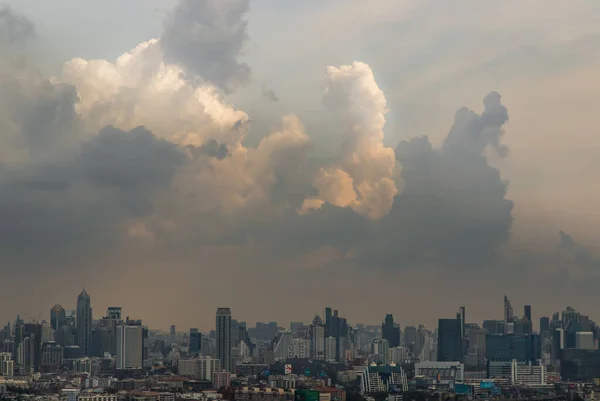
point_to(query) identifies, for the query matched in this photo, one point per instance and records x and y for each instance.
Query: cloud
(83, 201)
(363, 179)
(134, 162)
(573, 254)
(139, 88)
(453, 209)
(270, 95)
(207, 37)
(14, 27)
(37, 118)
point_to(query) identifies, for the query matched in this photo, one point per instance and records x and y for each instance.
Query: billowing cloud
(363, 179)
(135, 159)
(453, 208)
(139, 88)
(206, 37)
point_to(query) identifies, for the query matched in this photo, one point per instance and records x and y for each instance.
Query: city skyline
(406, 158)
(122, 312)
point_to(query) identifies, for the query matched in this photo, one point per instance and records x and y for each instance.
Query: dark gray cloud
(37, 117)
(270, 95)
(61, 192)
(206, 37)
(14, 27)
(574, 254)
(212, 148)
(81, 202)
(453, 209)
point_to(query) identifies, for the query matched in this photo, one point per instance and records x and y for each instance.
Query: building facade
(223, 332)
(450, 347)
(84, 322)
(130, 345)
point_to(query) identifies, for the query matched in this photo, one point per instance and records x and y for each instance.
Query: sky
(405, 157)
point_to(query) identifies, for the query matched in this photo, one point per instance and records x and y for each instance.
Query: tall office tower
(58, 317)
(390, 331)
(245, 341)
(527, 312)
(380, 350)
(235, 331)
(508, 310)
(130, 345)
(544, 324)
(462, 314)
(449, 341)
(30, 347)
(195, 341)
(328, 331)
(338, 329)
(317, 338)
(330, 349)
(173, 331)
(224, 338)
(84, 322)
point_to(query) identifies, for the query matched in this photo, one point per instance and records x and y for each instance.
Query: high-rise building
(58, 317)
(508, 310)
(338, 329)
(7, 365)
(281, 344)
(509, 347)
(544, 324)
(380, 350)
(390, 331)
(330, 349)
(328, 316)
(113, 313)
(28, 340)
(52, 357)
(449, 341)
(299, 348)
(130, 345)
(527, 312)
(223, 331)
(195, 341)
(317, 337)
(462, 316)
(84, 322)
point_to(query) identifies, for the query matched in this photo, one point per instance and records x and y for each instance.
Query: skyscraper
(84, 322)
(30, 347)
(58, 317)
(130, 345)
(449, 340)
(390, 331)
(195, 341)
(223, 330)
(508, 310)
(462, 314)
(544, 324)
(527, 310)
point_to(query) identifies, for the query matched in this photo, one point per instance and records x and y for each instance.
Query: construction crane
(34, 321)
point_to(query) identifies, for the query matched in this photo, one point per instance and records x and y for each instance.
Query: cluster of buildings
(81, 358)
